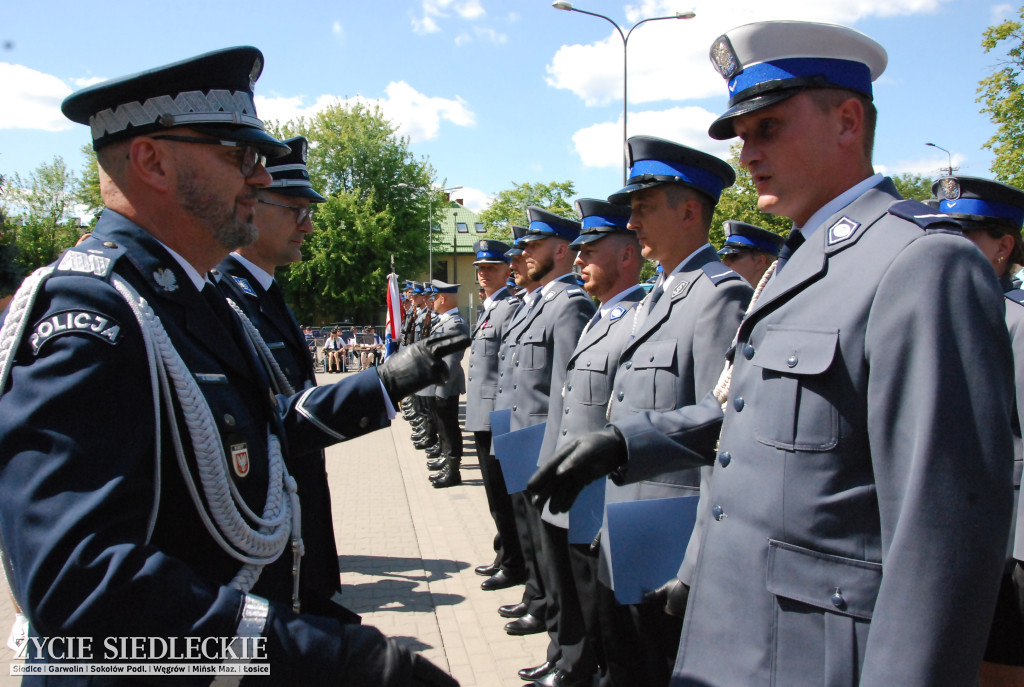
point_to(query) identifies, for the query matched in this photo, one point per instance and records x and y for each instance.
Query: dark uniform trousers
(545, 338)
(101, 531)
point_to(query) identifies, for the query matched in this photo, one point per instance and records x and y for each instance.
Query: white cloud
(416, 115)
(338, 30)
(659, 50)
(425, 25)
(31, 99)
(87, 81)
(929, 166)
(473, 198)
(1000, 13)
(600, 145)
(469, 10)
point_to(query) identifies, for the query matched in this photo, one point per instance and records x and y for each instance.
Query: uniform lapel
(680, 287)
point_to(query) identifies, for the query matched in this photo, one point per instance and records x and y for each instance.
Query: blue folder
(518, 452)
(501, 421)
(647, 541)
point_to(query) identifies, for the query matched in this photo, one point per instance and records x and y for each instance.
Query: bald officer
(166, 506)
(749, 249)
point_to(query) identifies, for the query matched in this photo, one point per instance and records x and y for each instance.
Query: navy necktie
(795, 240)
(656, 293)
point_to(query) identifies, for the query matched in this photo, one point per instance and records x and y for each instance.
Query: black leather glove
(673, 594)
(574, 466)
(419, 365)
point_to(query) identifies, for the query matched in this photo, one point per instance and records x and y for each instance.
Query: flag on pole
(394, 321)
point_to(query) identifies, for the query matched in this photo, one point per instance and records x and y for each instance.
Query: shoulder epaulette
(922, 215)
(574, 291)
(718, 273)
(1015, 295)
(96, 260)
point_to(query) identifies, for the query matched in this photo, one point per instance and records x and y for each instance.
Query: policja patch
(75, 322)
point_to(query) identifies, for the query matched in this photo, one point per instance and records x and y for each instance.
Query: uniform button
(364, 422)
(792, 361)
(109, 244)
(515, 386)
(629, 364)
(738, 403)
(501, 374)
(470, 378)
(651, 360)
(229, 420)
(748, 351)
(564, 432)
(499, 391)
(517, 363)
(724, 458)
(515, 408)
(718, 512)
(837, 598)
(588, 363)
(502, 356)
(620, 395)
(568, 387)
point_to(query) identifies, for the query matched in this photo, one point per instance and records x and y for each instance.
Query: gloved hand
(673, 594)
(419, 365)
(574, 466)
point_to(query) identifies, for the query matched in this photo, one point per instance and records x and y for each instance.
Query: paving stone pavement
(407, 553)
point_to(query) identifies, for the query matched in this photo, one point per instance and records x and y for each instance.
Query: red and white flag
(394, 323)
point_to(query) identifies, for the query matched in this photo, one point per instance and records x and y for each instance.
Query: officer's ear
(849, 118)
(150, 162)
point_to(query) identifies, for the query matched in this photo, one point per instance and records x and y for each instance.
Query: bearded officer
(610, 261)
(167, 508)
(845, 432)
(749, 249)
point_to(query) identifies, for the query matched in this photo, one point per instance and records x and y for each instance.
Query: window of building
(462, 227)
(479, 227)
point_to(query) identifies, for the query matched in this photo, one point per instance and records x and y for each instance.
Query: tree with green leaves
(509, 206)
(377, 208)
(39, 212)
(1002, 95)
(915, 186)
(88, 192)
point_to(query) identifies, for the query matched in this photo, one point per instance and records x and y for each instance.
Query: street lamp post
(567, 7)
(948, 156)
(430, 225)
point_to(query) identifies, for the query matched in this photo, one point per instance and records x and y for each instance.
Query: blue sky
(494, 92)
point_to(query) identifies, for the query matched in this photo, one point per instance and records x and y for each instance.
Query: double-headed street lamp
(430, 223)
(948, 155)
(567, 6)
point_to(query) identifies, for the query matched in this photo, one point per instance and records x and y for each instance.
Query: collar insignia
(842, 230)
(243, 284)
(165, 279)
(615, 314)
(679, 289)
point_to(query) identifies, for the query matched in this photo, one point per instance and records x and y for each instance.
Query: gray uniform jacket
(583, 403)
(456, 383)
(1015, 325)
(544, 336)
(674, 359)
(482, 383)
(862, 491)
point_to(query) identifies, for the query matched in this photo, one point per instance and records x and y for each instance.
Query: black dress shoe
(501, 580)
(435, 451)
(527, 625)
(537, 671)
(512, 610)
(436, 463)
(487, 570)
(560, 678)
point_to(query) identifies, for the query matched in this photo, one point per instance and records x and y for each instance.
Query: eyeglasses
(301, 214)
(250, 159)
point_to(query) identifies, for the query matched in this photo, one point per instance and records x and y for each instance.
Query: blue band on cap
(701, 178)
(539, 227)
(605, 221)
(496, 255)
(766, 246)
(985, 208)
(845, 73)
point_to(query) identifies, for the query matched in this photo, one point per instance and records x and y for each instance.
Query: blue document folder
(518, 452)
(648, 540)
(500, 421)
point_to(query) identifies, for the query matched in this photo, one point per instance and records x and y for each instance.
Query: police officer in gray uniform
(544, 332)
(862, 489)
(992, 214)
(610, 262)
(148, 484)
(446, 395)
(499, 305)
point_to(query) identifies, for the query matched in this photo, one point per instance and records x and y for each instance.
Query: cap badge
(165, 279)
(483, 245)
(724, 58)
(950, 189)
(304, 152)
(254, 73)
(842, 230)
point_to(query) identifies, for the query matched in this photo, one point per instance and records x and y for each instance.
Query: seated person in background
(370, 348)
(334, 353)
